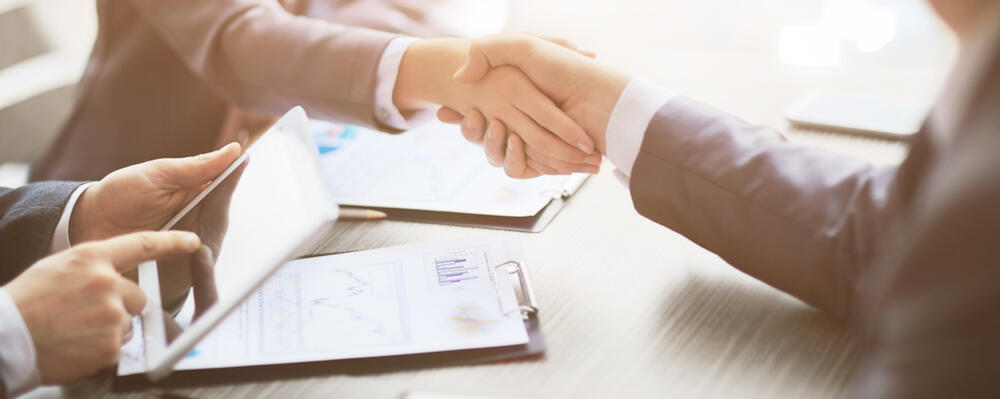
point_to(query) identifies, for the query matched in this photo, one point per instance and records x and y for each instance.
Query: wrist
(425, 73)
(593, 111)
(83, 225)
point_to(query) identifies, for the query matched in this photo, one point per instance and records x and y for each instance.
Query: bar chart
(456, 269)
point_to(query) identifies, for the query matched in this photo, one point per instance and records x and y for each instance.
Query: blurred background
(751, 57)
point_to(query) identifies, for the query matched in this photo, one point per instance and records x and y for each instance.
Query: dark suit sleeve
(28, 217)
(798, 218)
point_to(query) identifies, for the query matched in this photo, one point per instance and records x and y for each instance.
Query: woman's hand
(501, 95)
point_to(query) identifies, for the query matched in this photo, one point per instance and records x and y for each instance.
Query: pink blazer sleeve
(260, 57)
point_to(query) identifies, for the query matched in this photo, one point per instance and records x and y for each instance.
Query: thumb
(477, 64)
(569, 44)
(199, 169)
(485, 54)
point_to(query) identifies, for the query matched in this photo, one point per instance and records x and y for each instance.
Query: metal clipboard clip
(526, 305)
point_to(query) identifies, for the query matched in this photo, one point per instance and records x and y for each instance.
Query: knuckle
(470, 135)
(110, 312)
(201, 160)
(523, 43)
(101, 281)
(475, 47)
(110, 346)
(147, 242)
(85, 253)
(141, 301)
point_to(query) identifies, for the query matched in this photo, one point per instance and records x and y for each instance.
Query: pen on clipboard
(360, 214)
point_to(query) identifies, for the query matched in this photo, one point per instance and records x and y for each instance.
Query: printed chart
(459, 270)
(307, 309)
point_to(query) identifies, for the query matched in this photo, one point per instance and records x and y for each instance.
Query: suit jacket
(163, 73)
(907, 254)
(28, 218)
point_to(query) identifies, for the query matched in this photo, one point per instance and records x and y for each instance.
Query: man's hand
(584, 89)
(144, 196)
(501, 94)
(78, 306)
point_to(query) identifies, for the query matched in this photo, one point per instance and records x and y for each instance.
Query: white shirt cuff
(385, 83)
(60, 237)
(628, 122)
(18, 363)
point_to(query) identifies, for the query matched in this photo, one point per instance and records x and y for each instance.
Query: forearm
(798, 218)
(262, 58)
(425, 73)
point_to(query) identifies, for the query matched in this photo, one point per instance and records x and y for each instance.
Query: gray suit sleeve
(798, 218)
(28, 217)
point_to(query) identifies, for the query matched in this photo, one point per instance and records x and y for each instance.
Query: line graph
(421, 166)
(308, 309)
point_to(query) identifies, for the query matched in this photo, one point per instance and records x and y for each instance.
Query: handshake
(537, 105)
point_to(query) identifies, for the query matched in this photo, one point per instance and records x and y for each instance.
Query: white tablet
(257, 215)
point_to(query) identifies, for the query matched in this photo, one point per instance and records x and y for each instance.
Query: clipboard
(529, 224)
(433, 175)
(526, 306)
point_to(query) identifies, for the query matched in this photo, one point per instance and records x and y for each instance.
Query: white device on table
(267, 213)
(897, 118)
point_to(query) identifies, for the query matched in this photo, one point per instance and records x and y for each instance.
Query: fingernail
(584, 147)
(491, 134)
(592, 159)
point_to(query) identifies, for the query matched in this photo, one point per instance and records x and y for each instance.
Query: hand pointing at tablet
(77, 306)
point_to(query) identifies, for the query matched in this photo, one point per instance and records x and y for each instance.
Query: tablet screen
(254, 220)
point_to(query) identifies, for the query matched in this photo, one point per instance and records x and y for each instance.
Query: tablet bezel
(161, 357)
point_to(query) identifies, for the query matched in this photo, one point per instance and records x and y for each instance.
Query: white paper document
(432, 168)
(393, 301)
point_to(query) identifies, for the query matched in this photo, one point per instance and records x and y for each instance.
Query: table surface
(629, 307)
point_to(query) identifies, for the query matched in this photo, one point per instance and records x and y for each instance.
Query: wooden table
(629, 308)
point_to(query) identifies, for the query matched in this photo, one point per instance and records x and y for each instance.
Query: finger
(562, 166)
(125, 323)
(543, 169)
(203, 281)
(199, 169)
(128, 251)
(540, 138)
(515, 164)
(540, 108)
(565, 43)
(132, 296)
(448, 115)
(496, 142)
(474, 126)
(242, 138)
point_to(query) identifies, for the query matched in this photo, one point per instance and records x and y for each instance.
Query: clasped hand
(582, 89)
